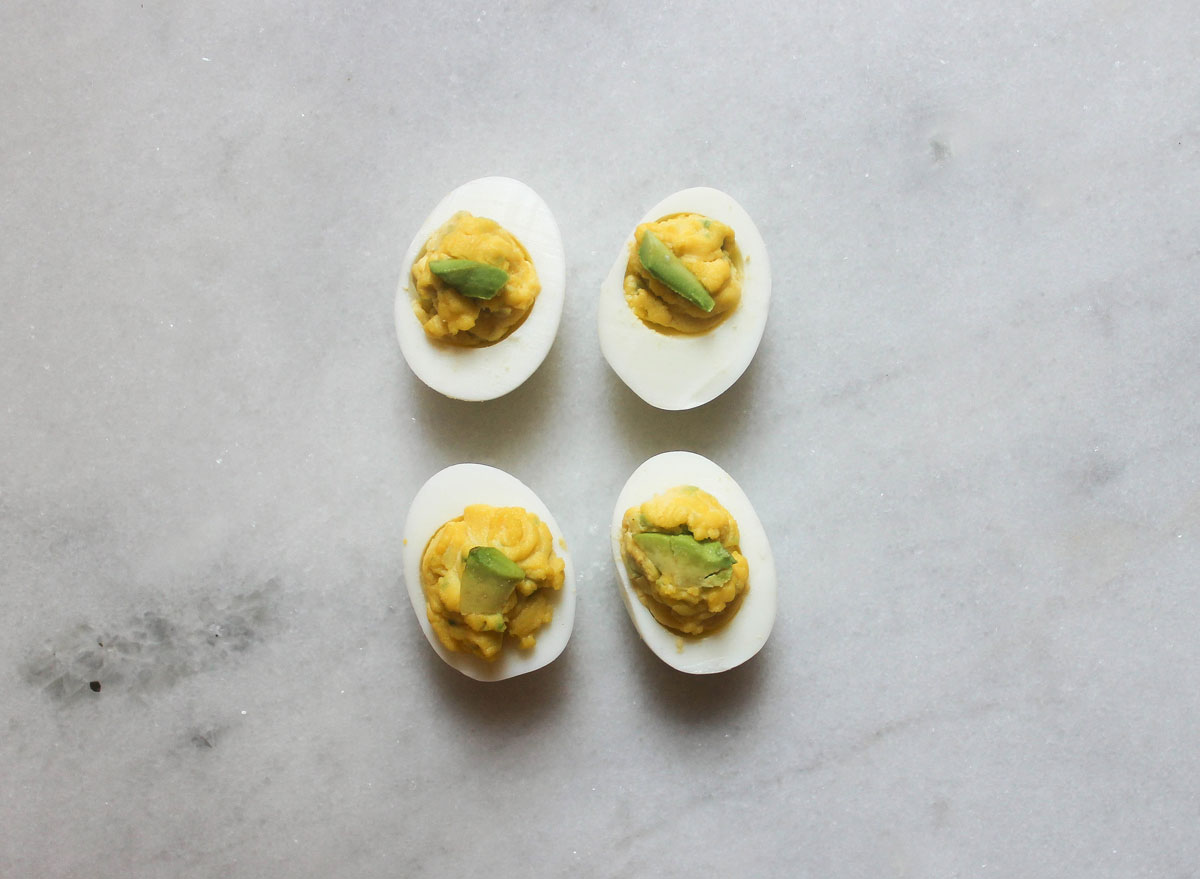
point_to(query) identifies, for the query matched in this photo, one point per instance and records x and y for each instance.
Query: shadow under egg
(696, 699)
(710, 429)
(506, 707)
(487, 431)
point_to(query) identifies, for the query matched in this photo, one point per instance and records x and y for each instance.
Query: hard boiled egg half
(484, 373)
(744, 635)
(671, 370)
(443, 498)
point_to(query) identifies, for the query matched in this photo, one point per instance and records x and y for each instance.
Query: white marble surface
(972, 430)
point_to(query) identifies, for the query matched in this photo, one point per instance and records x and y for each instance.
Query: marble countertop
(972, 431)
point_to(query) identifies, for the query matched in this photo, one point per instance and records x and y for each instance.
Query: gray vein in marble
(152, 651)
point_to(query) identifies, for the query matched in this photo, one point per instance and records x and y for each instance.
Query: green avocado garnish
(489, 578)
(687, 560)
(665, 267)
(476, 280)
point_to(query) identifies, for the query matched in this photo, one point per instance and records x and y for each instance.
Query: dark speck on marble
(1097, 473)
(204, 739)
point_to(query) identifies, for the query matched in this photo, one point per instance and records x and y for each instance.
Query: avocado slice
(665, 267)
(489, 578)
(687, 560)
(477, 280)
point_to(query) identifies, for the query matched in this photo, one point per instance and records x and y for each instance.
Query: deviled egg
(481, 290)
(694, 565)
(684, 307)
(488, 573)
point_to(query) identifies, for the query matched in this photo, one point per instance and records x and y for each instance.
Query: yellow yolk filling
(708, 250)
(691, 608)
(523, 538)
(449, 316)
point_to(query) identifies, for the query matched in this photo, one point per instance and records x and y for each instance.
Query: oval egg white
(444, 497)
(492, 371)
(684, 371)
(745, 634)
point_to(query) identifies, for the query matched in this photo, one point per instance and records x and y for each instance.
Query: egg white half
(684, 371)
(492, 371)
(444, 497)
(745, 634)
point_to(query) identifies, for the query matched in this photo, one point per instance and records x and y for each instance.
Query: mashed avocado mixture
(474, 282)
(684, 273)
(488, 574)
(681, 550)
